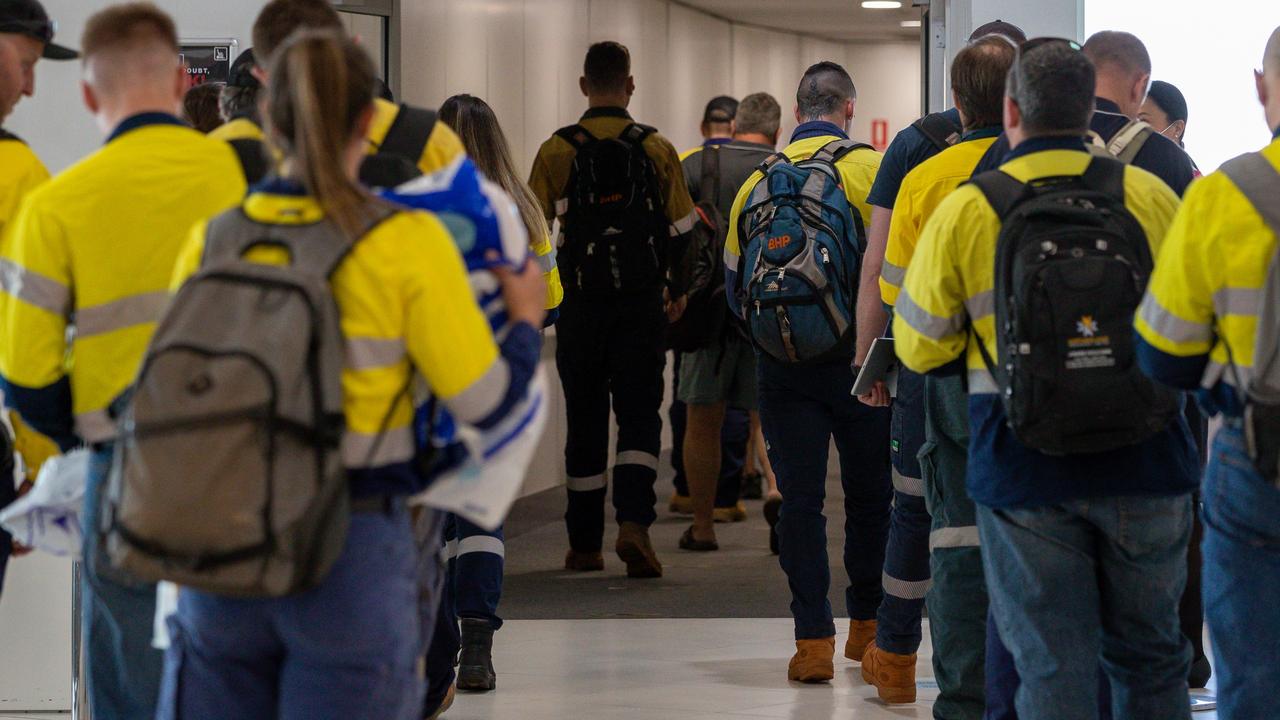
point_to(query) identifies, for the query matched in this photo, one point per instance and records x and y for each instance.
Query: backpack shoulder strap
(637, 133)
(709, 177)
(1258, 180)
(834, 151)
(576, 135)
(408, 135)
(1002, 190)
(255, 159)
(772, 161)
(1105, 175)
(938, 129)
(1128, 142)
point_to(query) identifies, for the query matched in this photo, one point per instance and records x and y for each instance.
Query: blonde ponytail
(321, 86)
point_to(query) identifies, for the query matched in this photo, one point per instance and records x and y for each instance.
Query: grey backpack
(228, 474)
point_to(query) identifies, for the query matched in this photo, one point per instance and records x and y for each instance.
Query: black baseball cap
(241, 73)
(721, 109)
(1000, 27)
(27, 17)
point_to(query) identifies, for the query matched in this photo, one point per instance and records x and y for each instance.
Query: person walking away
(348, 643)
(625, 216)
(1098, 500)
(1208, 323)
(26, 37)
(957, 597)
(96, 247)
(720, 372)
(804, 340)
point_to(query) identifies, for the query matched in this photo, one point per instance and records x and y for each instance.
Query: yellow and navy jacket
(22, 172)
(1203, 298)
(857, 170)
(549, 181)
(94, 249)
(405, 306)
(947, 298)
(920, 193)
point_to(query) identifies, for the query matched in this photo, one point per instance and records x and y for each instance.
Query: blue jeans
(802, 407)
(1242, 580)
(118, 621)
(346, 648)
(1089, 581)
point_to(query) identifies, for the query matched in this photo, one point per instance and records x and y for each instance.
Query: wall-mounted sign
(207, 60)
(880, 134)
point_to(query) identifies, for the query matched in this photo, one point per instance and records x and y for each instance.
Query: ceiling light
(881, 4)
(910, 23)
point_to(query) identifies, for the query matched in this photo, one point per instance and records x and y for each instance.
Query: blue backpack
(801, 258)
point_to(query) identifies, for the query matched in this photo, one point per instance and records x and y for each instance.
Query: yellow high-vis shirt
(950, 279)
(922, 190)
(857, 171)
(97, 245)
(405, 305)
(1204, 296)
(238, 129)
(20, 173)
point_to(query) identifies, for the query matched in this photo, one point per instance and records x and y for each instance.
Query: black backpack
(615, 234)
(703, 321)
(1072, 264)
(396, 160)
(939, 130)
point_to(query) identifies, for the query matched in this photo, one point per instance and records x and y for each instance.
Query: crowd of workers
(267, 321)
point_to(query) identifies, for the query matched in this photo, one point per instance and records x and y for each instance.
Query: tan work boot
(734, 514)
(637, 552)
(861, 634)
(681, 504)
(583, 561)
(893, 675)
(812, 662)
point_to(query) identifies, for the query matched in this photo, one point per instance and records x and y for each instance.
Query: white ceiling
(832, 19)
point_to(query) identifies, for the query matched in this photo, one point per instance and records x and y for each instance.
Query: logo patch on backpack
(777, 243)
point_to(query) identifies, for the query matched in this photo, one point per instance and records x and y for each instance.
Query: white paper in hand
(48, 517)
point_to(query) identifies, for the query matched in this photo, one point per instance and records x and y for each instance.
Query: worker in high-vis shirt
(281, 18)
(93, 249)
(804, 407)
(1208, 324)
(351, 646)
(932, 433)
(238, 102)
(26, 36)
(1083, 554)
(610, 338)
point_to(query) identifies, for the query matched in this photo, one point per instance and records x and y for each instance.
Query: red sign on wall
(880, 134)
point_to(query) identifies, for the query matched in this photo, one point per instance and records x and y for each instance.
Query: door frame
(390, 11)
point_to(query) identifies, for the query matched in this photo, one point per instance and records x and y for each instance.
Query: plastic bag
(48, 517)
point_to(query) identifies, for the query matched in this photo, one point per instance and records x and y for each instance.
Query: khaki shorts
(722, 373)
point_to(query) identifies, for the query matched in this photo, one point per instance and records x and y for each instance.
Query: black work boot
(475, 662)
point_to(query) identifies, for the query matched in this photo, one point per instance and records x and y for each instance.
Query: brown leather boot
(861, 634)
(636, 551)
(583, 561)
(893, 675)
(812, 662)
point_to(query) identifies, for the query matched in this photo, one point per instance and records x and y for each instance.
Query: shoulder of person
(656, 144)
(1146, 187)
(863, 156)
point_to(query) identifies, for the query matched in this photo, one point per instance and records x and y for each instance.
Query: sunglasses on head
(42, 30)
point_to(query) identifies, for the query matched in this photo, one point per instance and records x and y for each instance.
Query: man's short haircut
(1115, 51)
(128, 26)
(239, 102)
(1000, 27)
(824, 88)
(282, 18)
(978, 78)
(759, 113)
(607, 67)
(1271, 57)
(200, 107)
(1053, 86)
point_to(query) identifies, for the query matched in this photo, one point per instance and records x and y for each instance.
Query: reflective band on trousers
(120, 314)
(905, 589)
(95, 427)
(954, 537)
(907, 485)
(586, 484)
(34, 288)
(637, 457)
(370, 353)
(474, 544)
